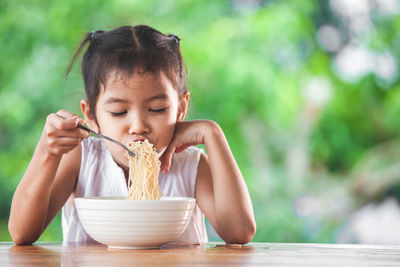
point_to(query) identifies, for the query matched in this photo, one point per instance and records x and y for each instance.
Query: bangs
(131, 61)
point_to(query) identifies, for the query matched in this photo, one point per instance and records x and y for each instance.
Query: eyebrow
(159, 96)
(120, 100)
(115, 100)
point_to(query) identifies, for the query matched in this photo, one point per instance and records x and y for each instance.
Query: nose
(138, 126)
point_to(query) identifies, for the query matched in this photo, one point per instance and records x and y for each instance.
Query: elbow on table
(243, 236)
(19, 237)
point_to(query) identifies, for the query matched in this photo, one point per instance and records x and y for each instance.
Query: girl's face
(138, 107)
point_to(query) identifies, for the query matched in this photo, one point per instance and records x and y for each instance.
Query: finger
(167, 157)
(66, 114)
(162, 161)
(75, 133)
(61, 123)
(81, 121)
(54, 133)
(63, 141)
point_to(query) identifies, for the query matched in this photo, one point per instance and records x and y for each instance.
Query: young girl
(135, 87)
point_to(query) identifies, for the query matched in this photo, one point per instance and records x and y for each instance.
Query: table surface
(213, 254)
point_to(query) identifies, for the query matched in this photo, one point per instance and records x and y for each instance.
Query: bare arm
(48, 180)
(220, 188)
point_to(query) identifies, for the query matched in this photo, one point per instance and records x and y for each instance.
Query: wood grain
(212, 254)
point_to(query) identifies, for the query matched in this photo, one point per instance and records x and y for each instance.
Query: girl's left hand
(187, 133)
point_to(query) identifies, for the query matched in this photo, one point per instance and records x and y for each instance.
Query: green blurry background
(307, 92)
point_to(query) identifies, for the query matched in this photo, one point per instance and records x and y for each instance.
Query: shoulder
(181, 179)
(189, 155)
(187, 161)
(73, 161)
(93, 144)
(96, 157)
(93, 149)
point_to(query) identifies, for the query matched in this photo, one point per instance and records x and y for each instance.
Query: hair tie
(176, 38)
(92, 35)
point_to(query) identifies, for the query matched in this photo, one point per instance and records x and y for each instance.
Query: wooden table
(212, 254)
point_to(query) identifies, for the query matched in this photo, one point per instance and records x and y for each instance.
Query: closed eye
(118, 114)
(158, 110)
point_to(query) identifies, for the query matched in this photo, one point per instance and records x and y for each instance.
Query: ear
(183, 106)
(87, 115)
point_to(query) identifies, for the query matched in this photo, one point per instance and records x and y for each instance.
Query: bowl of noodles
(144, 219)
(134, 224)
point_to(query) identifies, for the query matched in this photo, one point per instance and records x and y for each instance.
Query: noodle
(143, 172)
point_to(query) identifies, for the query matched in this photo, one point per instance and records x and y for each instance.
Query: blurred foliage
(250, 65)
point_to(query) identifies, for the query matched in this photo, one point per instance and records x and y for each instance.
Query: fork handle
(96, 133)
(86, 128)
(105, 137)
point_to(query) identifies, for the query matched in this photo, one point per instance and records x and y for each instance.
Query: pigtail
(90, 36)
(174, 37)
(181, 67)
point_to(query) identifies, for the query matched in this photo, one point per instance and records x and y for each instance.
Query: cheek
(111, 127)
(165, 130)
(107, 124)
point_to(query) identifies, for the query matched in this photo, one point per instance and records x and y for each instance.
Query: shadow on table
(33, 255)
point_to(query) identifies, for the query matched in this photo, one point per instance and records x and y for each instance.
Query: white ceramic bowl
(134, 224)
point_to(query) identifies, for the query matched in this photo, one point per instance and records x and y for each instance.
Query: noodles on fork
(144, 169)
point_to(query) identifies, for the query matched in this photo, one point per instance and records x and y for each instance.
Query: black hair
(128, 49)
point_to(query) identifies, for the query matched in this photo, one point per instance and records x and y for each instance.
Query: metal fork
(132, 154)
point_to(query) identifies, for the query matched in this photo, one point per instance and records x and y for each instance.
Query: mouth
(142, 139)
(139, 140)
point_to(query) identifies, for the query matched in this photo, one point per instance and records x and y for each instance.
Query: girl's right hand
(60, 134)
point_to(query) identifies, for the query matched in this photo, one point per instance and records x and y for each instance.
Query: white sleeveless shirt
(100, 176)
